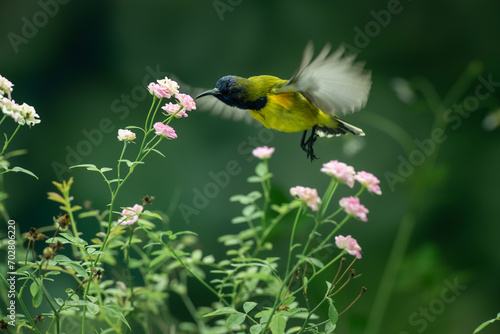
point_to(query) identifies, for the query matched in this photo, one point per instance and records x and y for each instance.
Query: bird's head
(237, 92)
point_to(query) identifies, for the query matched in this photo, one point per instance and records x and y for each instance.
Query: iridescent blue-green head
(238, 92)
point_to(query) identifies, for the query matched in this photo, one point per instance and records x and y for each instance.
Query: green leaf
(130, 163)
(278, 324)
(151, 214)
(315, 262)
(57, 239)
(486, 323)
(105, 169)
(333, 314)
(248, 306)
(238, 220)
(261, 169)
(224, 310)
(22, 170)
(256, 329)
(329, 327)
(248, 210)
(288, 300)
(88, 166)
(78, 269)
(156, 151)
(254, 179)
(36, 292)
(158, 259)
(235, 319)
(134, 127)
(59, 301)
(117, 313)
(92, 308)
(75, 240)
(62, 258)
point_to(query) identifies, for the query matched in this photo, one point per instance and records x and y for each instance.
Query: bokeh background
(86, 63)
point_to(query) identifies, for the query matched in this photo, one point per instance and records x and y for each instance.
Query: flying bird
(322, 89)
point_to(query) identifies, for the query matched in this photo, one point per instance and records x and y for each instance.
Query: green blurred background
(76, 67)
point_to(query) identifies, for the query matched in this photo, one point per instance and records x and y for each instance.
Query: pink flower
(125, 135)
(349, 244)
(171, 109)
(308, 195)
(158, 90)
(165, 130)
(263, 152)
(340, 171)
(171, 86)
(352, 207)
(130, 215)
(186, 101)
(369, 181)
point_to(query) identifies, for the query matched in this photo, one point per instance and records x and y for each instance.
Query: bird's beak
(213, 92)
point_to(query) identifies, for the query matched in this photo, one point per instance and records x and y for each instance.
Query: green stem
(328, 196)
(389, 276)
(120, 161)
(9, 140)
(288, 273)
(18, 296)
(197, 277)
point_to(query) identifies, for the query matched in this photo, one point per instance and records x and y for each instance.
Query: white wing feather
(333, 83)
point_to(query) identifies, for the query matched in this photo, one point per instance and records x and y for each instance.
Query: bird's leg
(307, 145)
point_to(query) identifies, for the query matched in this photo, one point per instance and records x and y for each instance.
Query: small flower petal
(349, 244)
(5, 86)
(158, 90)
(170, 85)
(130, 215)
(186, 101)
(370, 181)
(165, 130)
(340, 171)
(126, 135)
(307, 195)
(352, 207)
(263, 152)
(171, 109)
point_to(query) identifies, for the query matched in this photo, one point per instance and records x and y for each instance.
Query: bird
(321, 90)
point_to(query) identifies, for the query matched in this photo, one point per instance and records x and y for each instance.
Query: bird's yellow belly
(289, 113)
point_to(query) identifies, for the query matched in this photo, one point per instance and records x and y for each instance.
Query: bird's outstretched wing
(333, 83)
(216, 107)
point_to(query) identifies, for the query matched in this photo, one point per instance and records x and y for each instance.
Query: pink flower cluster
(342, 172)
(185, 101)
(349, 244)
(352, 207)
(263, 152)
(163, 88)
(369, 181)
(164, 130)
(308, 195)
(130, 215)
(346, 174)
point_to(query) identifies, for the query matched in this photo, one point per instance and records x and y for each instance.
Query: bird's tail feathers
(340, 128)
